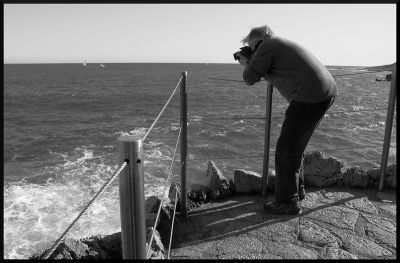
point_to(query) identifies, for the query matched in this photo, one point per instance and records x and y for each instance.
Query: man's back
(293, 70)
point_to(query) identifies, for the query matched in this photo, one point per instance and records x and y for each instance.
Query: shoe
(275, 208)
(302, 192)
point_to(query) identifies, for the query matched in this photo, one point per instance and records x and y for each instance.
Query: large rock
(152, 204)
(219, 185)
(320, 170)
(157, 250)
(174, 192)
(247, 181)
(198, 193)
(356, 177)
(88, 248)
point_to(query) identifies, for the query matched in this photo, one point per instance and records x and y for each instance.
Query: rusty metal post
(388, 129)
(132, 204)
(268, 110)
(183, 142)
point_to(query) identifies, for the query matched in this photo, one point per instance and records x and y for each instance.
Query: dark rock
(174, 191)
(198, 193)
(111, 244)
(320, 170)
(152, 204)
(157, 250)
(373, 175)
(356, 177)
(219, 185)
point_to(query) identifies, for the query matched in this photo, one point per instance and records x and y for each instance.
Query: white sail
(101, 65)
(84, 63)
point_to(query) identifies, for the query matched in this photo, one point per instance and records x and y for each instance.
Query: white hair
(259, 33)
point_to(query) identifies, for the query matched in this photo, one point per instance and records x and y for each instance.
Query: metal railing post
(183, 143)
(267, 136)
(131, 193)
(388, 129)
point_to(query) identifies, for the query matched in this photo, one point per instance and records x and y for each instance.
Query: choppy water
(62, 121)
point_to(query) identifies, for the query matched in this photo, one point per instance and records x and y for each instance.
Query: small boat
(101, 65)
(84, 63)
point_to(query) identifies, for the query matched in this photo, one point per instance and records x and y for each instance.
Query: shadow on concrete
(239, 215)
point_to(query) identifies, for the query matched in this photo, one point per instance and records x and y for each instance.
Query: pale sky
(338, 34)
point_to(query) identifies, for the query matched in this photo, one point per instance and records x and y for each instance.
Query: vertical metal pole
(183, 143)
(267, 136)
(131, 193)
(388, 129)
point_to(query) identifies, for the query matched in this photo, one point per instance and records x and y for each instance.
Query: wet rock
(320, 170)
(356, 177)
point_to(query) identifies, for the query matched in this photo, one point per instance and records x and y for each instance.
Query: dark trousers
(301, 119)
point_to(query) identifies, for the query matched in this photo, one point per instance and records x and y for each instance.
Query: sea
(62, 123)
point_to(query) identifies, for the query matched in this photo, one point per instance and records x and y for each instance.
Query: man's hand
(243, 60)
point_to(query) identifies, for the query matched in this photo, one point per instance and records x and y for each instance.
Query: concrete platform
(336, 223)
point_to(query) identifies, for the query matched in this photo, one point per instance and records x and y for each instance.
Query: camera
(244, 51)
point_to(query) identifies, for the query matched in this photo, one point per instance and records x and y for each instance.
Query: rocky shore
(320, 171)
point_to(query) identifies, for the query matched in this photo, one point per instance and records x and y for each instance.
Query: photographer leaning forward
(310, 90)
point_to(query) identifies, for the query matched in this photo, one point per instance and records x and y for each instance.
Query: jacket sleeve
(259, 64)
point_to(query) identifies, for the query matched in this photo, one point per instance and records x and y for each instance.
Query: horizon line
(233, 63)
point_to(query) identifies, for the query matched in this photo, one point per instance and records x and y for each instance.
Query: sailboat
(101, 65)
(84, 63)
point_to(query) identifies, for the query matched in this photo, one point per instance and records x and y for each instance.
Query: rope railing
(162, 110)
(61, 238)
(182, 129)
(172, 225)
(165, 187)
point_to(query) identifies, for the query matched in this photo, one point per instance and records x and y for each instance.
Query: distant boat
(101, 65)
(84, 63)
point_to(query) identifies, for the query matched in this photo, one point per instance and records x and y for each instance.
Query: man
(310, 90)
